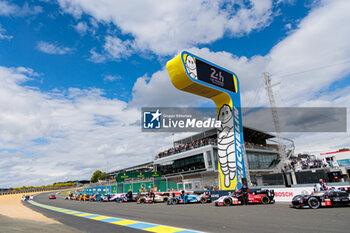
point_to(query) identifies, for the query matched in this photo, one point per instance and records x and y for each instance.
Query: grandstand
(193, 161)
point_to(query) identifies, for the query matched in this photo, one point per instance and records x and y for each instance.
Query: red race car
(258, 197)
(52, 196)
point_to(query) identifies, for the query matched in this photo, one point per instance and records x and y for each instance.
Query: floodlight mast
(276, 121)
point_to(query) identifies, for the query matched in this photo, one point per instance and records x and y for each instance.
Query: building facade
(193, 161)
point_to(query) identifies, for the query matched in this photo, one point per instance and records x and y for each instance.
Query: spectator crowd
(187, 146)
(298, 164)
(202, 142)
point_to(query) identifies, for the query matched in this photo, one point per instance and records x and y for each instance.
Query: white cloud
(112, 78)
(81, 28)
(97, 57)
(157, 90)
(3, 36)
(116, 48)
(52, 48)
(248, 19)
(9, 9)
(63, 135)
(165, 28)
(321, 40)
(113, 49)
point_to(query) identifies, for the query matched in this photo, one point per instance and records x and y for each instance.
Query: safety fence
(122, 187)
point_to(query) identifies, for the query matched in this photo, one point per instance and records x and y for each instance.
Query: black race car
(332, 197)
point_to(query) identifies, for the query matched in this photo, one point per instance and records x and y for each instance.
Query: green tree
(343, 149)
(95, 176)
(103, 176)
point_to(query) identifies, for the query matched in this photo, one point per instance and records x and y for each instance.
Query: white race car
(227, 201)
(148, 199)
(118, 197)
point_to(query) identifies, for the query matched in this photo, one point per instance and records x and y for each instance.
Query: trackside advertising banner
(287, 194)
(99, 190)
(281, 194)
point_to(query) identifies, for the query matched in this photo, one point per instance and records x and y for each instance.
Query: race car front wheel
(142, 200)
(265, 200)
(227, 202)
(313, 202)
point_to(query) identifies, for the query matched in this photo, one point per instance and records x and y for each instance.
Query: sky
(74, 74)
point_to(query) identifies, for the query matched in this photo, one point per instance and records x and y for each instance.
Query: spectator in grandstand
(187, 146)
(325, 163)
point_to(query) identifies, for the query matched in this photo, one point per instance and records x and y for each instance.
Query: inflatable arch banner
(197, 76)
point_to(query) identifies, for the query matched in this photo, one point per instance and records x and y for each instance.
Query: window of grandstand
(216, 158)
(189, 164)
(210, 162)
(261, 160)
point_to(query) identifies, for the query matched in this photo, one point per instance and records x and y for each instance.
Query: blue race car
(185, 198)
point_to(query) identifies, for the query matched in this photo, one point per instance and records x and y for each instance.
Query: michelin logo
(152, 120)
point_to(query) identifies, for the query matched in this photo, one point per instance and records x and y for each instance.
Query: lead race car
(327, 198)
(265, 196)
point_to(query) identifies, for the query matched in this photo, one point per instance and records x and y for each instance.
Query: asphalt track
(202, 217)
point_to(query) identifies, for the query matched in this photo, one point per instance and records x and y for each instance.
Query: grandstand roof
(143, 166)
(334, 152)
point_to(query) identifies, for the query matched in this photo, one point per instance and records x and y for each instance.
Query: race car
(191, 198)
(52, 196)
(327, 198)
(99, 198)
(119, 197)
(149, 199)
(265, 196)
(85, 197)
(73, 197)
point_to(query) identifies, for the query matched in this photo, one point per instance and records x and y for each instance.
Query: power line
(313, 69)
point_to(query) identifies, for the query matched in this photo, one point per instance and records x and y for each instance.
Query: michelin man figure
(226, 144)
(191, 66)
